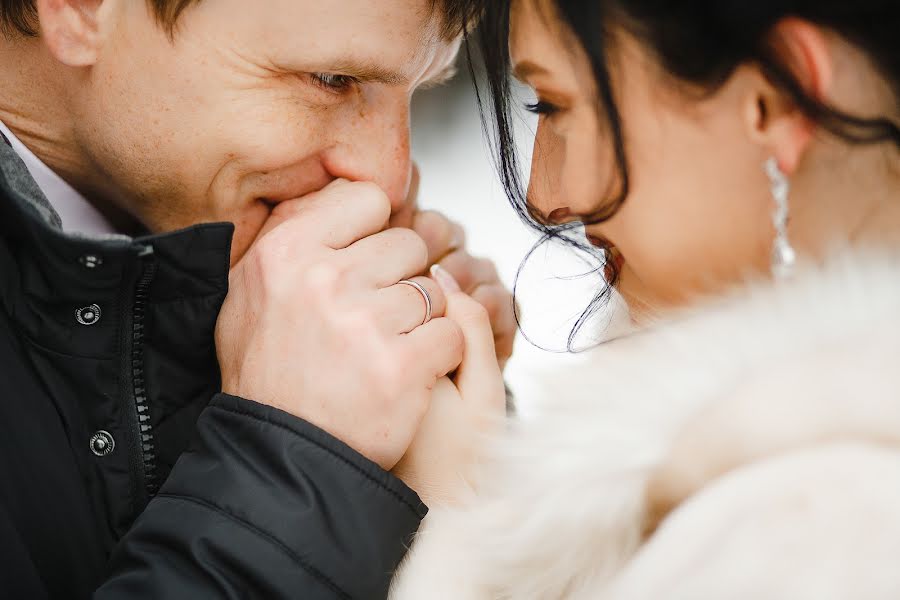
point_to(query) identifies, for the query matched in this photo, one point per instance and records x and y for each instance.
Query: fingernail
(444, 279)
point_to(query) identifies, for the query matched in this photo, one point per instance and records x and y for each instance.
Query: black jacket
(123, 474)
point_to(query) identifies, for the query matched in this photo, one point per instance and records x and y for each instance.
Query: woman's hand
(464, 410)
(477, 277)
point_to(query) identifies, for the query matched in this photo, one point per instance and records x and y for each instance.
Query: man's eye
(333, 83)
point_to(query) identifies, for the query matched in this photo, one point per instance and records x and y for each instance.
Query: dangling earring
(784, 258)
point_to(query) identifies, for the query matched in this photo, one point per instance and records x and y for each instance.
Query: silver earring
(784, 258)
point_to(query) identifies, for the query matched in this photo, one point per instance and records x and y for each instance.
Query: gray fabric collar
(30, 195)
(21, 182)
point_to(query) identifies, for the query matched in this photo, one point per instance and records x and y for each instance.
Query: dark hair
(20, 16)
(699, 43)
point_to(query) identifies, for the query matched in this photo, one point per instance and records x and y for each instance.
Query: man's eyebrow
(368, 72)
(525, 69)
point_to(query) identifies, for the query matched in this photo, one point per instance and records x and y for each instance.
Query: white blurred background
(459, 180)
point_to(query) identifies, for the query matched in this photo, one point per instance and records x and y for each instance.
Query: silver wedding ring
(425, 295)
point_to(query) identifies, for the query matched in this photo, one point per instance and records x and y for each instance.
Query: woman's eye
(333, 83)
(541, 108)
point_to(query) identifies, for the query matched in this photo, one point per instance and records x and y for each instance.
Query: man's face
(255, 103)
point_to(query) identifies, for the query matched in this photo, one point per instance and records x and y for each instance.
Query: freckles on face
(231, 116)
(359, 130)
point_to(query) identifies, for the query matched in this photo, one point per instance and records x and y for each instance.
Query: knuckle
(267, 250)
(487, 268)
(288, 209)
(265, 266)
(495, 298)
(367, 188)
(475, 313)
(392, 376)
(429, 222)
(415, 245)
(489, 299)
(459, 234)
(437, 230)
(442, 226)
(458, 264)
(356, 326)
(373, 195)
(322, 279)
(402, 235)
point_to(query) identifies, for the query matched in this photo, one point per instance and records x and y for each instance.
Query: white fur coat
(748, 450)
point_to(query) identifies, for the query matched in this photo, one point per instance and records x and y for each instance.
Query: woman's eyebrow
(525, 69)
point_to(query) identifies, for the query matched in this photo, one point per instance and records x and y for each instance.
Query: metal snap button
(102, 443)
(88, 315)
(90, 261)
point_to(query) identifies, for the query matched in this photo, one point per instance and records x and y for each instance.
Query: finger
(498, 302)
(386, 257)
(336, 216)
(441, 235)
(478, 377)
(437, 346)
(287, 209)
(479, 371)
(403, 215)
(468, 271)
(402, 307)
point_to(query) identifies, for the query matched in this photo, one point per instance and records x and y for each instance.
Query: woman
(739, 164)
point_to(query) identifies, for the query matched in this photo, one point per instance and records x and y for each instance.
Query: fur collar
(570, 499)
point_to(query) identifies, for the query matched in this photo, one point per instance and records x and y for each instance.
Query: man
(127, 125)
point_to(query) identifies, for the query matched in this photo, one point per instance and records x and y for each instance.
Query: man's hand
(476, 276)
(316, 324)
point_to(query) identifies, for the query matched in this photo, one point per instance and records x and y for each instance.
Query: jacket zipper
(147, 483)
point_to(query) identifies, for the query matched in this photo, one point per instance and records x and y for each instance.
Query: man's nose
(378, 150)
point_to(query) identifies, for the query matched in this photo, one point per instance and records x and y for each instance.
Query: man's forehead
(369, 36)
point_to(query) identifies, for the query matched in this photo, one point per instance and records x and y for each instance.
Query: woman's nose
(558, 216)
(561, 216)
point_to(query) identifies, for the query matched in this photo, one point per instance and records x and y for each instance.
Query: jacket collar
(197, 258)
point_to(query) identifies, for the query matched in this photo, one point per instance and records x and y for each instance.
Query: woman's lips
(616, 257)
(613, 255)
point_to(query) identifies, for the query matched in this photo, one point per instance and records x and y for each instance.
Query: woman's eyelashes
(337, 84)
(541, 108)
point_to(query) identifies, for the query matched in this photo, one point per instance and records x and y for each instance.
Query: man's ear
(772, 116)
(71, 30)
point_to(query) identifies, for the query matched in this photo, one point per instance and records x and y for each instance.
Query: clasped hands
(317, 324)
